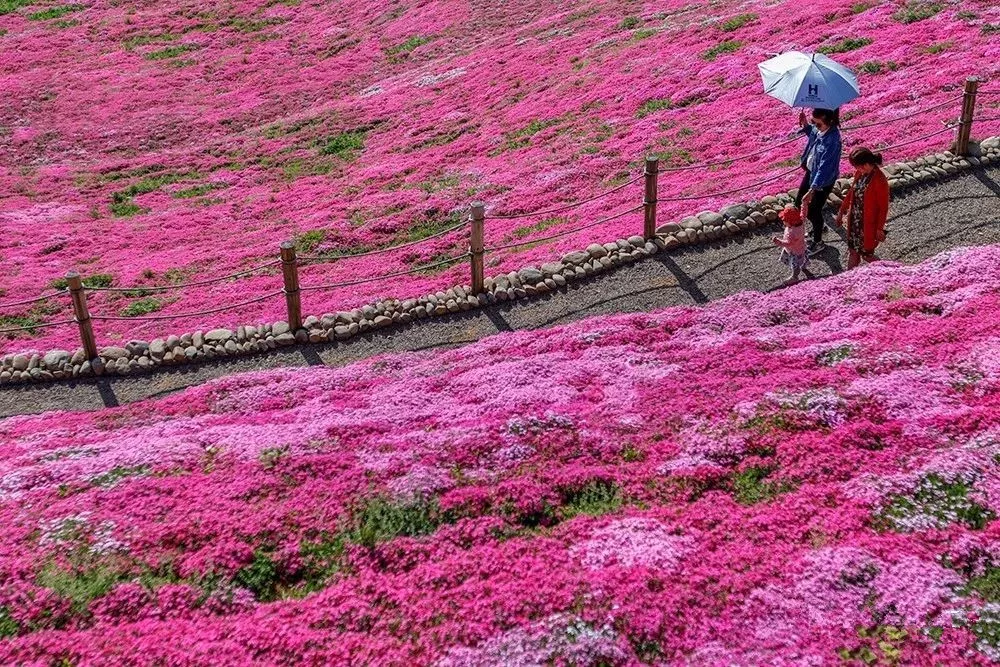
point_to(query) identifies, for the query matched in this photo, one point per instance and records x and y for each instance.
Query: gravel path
(923, 222)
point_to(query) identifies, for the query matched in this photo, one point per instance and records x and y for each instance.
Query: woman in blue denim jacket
(821, 162)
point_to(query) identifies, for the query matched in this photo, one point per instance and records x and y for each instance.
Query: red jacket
(876, 207)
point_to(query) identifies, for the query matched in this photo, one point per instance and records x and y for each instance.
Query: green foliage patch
(917, 10)
(845, 45)
(737, 22)
(935, 502)
(55, 12)
(307, 241)
(198, 190)
(751, 486)
(522, 138)
(379, 519)
(11, 6)
(939, 47)
(401, 51)
(94, 280)
(651, 106)
(595, 498)
(540, 226)
(79, 585)
(130, 43)
(728, 46)
(122, 204)
(434, 221)
(834, 356)
(170, 52)
(343, 145)
(118, 473)
(142, 306)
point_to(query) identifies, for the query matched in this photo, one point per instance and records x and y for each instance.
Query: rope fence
(920, 138)
(197, 313)
(319, 259)
(290, 262)
(735, 158)
(362, 281)
(567, 207)
(37, 299)
(566, 233)
(862, 126)
(729, 192)
(196, 283)
(40, 325)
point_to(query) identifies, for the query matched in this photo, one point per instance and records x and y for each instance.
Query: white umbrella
(808, 80)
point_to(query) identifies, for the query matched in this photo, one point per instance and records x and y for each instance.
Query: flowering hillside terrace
(156, 143)
(795, 478)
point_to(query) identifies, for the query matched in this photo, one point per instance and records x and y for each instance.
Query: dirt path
(923, 222)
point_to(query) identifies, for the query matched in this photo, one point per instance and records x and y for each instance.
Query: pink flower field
(149, 144)
(800, 478)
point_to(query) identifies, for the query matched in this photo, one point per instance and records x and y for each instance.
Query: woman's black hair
(861, 156)
(830, 117)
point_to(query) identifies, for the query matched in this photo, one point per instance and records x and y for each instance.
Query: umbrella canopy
(808, 80)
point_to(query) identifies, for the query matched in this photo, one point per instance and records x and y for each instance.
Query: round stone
(596, 250)
(114, 353)
(530, 275)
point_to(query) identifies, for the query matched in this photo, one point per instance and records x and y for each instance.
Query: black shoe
(816, 249)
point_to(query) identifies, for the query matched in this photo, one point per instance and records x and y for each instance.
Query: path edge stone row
(139, 356)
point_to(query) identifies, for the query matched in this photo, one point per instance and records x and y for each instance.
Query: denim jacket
(828, 147)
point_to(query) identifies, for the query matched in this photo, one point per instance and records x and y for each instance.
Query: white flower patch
(431, 79)
(633, 542)
(557, 639)
(703, 446)
(823, 405)
(830, 353)
(420, 482)
(76, 531)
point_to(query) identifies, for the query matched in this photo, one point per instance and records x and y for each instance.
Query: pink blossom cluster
(169, 142)
(752, 482)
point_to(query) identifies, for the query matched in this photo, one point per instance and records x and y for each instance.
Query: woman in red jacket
(866, 207)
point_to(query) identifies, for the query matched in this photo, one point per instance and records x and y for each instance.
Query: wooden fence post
(476, 246)
(649, 199)
(968, 112)
(82, 314)
(290, 273)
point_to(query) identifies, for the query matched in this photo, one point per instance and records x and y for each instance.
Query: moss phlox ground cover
(800, 477)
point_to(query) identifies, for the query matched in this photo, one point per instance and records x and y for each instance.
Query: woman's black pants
(815, 212)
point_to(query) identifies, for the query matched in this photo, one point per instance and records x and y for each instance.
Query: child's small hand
(775, 240)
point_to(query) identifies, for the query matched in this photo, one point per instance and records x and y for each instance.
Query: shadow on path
(107, 393)
(498, 320)
(686, 282)
(987, 181)
(310, 355)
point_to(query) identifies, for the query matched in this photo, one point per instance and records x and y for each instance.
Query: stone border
(140, 356)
